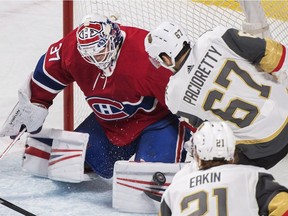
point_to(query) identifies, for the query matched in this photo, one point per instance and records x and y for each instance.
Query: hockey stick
(153, 196)
(12, 143)
(15, 208)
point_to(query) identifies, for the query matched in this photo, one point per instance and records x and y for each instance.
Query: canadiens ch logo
(109, 110)
(90, 34)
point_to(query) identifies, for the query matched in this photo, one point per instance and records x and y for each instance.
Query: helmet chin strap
(177, 64)
(171, 68)
(168, 62)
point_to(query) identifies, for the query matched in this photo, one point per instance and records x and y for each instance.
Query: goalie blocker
(56, 154)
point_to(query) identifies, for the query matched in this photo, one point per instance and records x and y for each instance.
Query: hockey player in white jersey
(228, 75)
(220, 187)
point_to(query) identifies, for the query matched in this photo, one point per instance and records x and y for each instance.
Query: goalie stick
(12, 143)
(15, 207)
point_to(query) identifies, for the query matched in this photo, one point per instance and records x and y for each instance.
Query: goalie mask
(214, 141)
(98, 41)
(167, 39)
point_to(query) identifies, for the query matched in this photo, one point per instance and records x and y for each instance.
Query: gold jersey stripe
(279, 204)
(273, 55)
(267, 139)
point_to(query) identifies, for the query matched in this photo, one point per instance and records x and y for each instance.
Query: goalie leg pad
(36, 157)
(66, 161)
(66, 155)
(134, 182)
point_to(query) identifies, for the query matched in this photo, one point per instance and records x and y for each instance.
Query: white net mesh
(195, 16)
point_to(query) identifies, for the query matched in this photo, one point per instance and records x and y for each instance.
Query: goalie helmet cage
(195, 16)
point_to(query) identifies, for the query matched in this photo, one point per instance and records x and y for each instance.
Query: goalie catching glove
(25, 113)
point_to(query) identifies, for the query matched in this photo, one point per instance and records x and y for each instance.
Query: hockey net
(194, 15)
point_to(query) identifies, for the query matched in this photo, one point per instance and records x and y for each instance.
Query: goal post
(68, 97)
(196, 16)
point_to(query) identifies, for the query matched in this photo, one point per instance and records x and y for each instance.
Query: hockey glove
(25, 113)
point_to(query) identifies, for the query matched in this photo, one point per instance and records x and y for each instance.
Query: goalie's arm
(50, 76)
(37, 94)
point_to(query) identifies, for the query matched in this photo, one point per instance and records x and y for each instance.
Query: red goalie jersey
(124, 103)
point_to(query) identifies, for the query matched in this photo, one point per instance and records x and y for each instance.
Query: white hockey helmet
(98, 40)
(168, 38)
(214, 140)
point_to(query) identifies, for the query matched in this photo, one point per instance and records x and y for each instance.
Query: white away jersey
(218, 82)
(223, 190)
